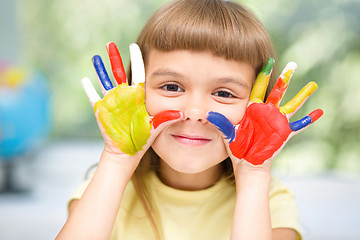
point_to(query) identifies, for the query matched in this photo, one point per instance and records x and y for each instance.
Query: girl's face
(195, 83)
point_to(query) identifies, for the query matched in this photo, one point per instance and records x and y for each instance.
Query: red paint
(116, 63)
(315, 115)
(165, 116)
(261, 132)
(277, 92)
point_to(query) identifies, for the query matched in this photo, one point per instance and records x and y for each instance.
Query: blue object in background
(24, 113)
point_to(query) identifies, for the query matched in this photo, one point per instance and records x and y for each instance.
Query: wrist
(122, 163)
(253, 179)
(249, 175)
(243, 165)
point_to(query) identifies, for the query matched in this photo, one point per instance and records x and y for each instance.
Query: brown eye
(172, 88)
(223, 94)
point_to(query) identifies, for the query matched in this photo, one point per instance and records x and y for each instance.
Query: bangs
(223, 28)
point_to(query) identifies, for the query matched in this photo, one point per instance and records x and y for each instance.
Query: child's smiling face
(195, 83)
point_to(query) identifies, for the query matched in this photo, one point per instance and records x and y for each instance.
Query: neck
(189, 181)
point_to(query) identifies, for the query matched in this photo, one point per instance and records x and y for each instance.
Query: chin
(191, 163)
(188, 157)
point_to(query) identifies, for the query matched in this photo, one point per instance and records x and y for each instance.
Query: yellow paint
(124, 118)
(299, 99)
(287, 76)
(259, 90)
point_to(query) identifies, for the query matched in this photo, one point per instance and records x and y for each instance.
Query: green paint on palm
(124, 118)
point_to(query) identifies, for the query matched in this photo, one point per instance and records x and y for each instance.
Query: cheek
(151, 102)
(234, 112)
(156, 103)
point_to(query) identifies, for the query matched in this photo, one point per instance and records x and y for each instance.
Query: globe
(24, 111)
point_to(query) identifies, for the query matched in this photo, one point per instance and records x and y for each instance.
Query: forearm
(95, 214)
(252, 212)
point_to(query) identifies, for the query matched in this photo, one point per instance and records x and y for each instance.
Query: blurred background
(49, 137)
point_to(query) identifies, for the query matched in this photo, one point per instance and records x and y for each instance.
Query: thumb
(164, 119)
(223, 124)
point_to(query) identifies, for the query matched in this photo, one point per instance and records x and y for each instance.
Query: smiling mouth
(191, 140)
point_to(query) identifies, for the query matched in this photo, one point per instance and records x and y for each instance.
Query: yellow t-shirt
(185, 215)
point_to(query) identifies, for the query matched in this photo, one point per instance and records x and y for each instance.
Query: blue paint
(223, 124)
(101, 72)
(297, 125)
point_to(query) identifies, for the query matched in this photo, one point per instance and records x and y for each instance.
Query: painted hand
(121, 114)
(265, 127)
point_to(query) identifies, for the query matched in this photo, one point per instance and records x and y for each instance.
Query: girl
(192, 159)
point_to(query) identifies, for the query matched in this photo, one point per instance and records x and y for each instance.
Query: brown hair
(224, 28)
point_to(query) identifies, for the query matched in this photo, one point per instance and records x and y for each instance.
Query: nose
(195, 109)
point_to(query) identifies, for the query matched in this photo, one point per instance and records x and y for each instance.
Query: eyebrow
(165, 72)
(235, 80)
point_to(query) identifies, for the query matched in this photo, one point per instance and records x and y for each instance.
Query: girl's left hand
(265, 127)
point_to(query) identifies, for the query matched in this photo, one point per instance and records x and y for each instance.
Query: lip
(191, 140)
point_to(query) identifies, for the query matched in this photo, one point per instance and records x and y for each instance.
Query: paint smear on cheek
(124, 118)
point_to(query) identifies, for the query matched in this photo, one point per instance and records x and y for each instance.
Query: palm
(125, 105)
(262, 131)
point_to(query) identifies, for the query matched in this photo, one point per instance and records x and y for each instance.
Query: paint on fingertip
(101, 72)
(288, 71)
(90, 91)
(310, 88)
(268, 66)
(312, 117)
(223, 124)
(165, 116)
(116, 63)
(315, 115)
(137, 64)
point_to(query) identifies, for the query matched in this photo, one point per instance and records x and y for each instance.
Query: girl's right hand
(125, 125)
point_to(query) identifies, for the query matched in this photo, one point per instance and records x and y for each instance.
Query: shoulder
(277, 187)
(283, 206)
(281, 197)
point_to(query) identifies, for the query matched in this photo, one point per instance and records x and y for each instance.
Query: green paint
(124, 118)
(261, 83)
(268, 66)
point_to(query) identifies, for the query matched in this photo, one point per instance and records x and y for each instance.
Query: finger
(282, 84)
(90, 91)
(116, 63)
(223, 124)
(295, 104)
(160, 121)
(137, 64)
(101, 72)
(311, 118)
(261, 82)
(165, 117)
